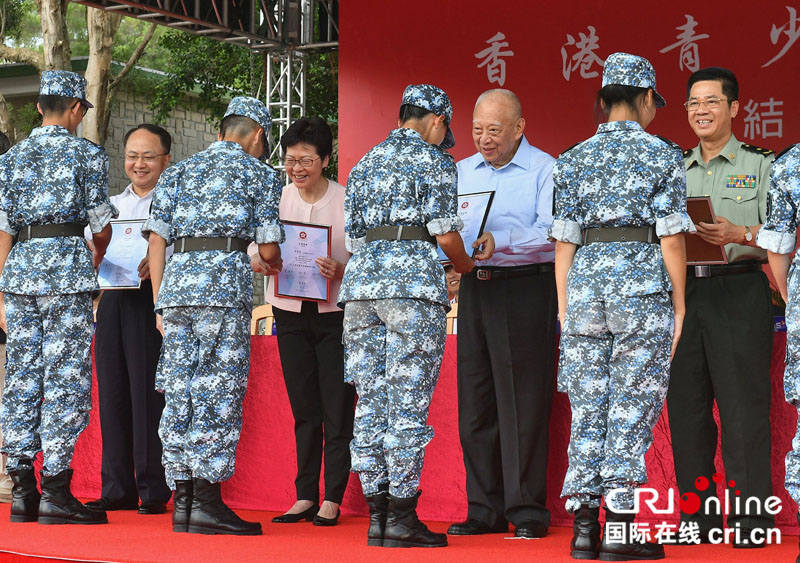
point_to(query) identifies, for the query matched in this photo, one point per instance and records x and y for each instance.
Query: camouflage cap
(64, 83)
(435, 100)
(252, 108)
(629, 70)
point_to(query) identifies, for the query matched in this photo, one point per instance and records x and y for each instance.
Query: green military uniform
(726, 346)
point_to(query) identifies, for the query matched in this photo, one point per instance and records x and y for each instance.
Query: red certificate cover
(698, 251)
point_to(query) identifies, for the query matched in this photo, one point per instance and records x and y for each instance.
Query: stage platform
(130, 537)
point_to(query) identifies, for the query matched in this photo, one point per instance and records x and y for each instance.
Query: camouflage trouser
(205, 361)
(47, 398)
(615, 367)
(393, 354)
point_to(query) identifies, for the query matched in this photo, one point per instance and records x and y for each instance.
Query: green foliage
(26, 117)
(214, 69)
(12, 15)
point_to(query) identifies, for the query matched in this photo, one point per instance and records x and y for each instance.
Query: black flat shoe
(322, 521)
(105, 504)
(474, 527)
(152, 507)
(532, 529)
(307, 515)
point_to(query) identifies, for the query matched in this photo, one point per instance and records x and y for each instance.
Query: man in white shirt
(507, 327)
(127, 348)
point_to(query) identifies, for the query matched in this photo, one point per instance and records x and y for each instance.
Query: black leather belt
(619, 234)
(50, 231)
(400, 233)
(713, 270)
(486, 273)
(229, 244)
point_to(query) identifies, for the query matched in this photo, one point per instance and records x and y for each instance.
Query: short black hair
(5, 144)
(408, 112)
(162, 134)
(237, 125)
(55, 104)
(730, 86)
(313, 131)
(616, 94)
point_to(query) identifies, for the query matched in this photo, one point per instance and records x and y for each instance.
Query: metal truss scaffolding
(285, 30)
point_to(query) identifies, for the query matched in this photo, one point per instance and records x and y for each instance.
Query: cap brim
(449, 140)
(87, 103)
(660, 101)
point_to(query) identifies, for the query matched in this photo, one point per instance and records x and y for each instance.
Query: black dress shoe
(532, 529)
(307, 515)
(745, 541)
(322, 521)
(473, 527)
(153, 507)
(105, 504)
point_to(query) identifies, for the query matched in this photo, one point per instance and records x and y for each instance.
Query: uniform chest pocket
(739, 195)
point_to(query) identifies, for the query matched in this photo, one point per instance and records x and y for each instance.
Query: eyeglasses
(146, 157)
(710, 103)
(305, 162)
(84, 107)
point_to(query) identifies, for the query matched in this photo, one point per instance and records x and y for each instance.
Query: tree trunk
(54, 33)
(102, 27)
(6, 122)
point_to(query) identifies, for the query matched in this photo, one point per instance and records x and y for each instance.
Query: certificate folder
(300, 277)
(698, 251)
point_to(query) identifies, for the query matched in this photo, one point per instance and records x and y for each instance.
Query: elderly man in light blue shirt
(507, 327)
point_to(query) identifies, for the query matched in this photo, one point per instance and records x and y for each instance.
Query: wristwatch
(748, 236)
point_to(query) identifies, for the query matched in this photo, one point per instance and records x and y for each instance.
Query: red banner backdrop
(551, 55)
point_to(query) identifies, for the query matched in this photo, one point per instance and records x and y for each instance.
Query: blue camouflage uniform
(395, 299)
(617, 334)
(778, 234)
(206, 297)
(52, 177)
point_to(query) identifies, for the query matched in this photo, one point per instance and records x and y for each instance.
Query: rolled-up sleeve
(98, 208)
(441, 203)
(669, 199)
(566, 226)
(269, 228)
(778, 234)
(160, 220)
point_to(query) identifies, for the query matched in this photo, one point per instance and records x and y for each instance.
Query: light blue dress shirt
(522, 209)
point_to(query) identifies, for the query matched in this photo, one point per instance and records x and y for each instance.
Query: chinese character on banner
(689, 532)
(492, 58)
(616, 532)
(765, 123)
(640, 532)
(792, 31)
(665, 532)
(687, 41)
(584, 57)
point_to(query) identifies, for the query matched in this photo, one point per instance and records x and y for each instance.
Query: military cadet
(400, 201)
(210, 205)
(727, 346)
(778, 235)
(52, 185)
(620, 211)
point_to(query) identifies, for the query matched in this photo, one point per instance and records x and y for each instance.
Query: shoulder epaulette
(758, 150)
(670, 143)
(687, 152)
(784, 151)
(570, 148)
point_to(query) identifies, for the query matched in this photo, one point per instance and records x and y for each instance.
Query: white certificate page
(120, 266)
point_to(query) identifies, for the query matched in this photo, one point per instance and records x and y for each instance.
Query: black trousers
(724, 354)
(127, 348)
(506, 358)
(312, 358)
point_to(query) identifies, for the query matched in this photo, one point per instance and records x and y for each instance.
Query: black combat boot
(378, 507)
(24, 496)
(209, 515)
(58, 506)
(181, 505)
(403, 528)
(627, 551)
(585, 542)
